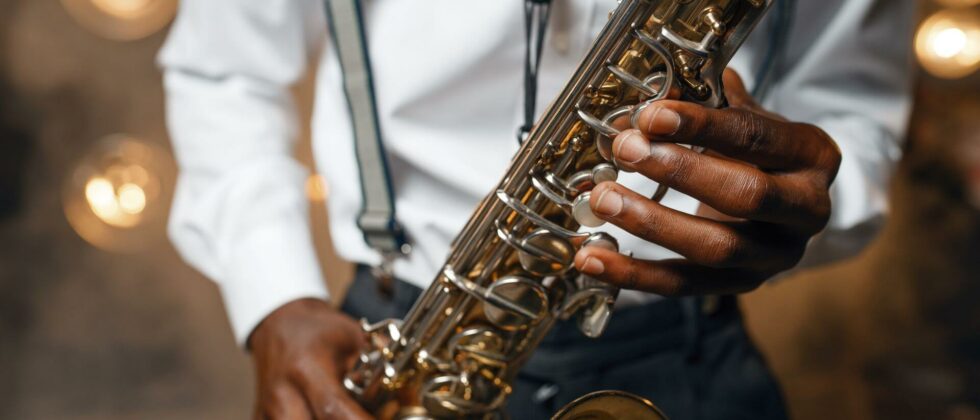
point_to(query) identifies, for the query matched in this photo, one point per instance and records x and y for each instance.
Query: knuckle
(754, 132)
(754, 194)
(649, 222)
(722, 250)
(295, 371)
(677, 165)
(632, 278)
(822, 209)
(830, 158)
(814, 212)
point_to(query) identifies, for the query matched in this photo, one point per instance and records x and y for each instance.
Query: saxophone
(509, 275)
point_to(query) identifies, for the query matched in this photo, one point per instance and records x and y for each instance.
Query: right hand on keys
(301, 352)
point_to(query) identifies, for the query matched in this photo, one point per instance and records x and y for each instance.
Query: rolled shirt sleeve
(240, 214)
(848, 69)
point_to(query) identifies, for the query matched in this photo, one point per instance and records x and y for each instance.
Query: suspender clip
(385, 270)
(386, 236)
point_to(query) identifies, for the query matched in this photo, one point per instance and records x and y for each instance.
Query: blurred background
(100, 319)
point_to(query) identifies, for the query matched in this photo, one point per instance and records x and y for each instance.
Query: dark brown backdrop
(89, 334)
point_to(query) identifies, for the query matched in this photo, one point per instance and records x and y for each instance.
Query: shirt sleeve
(850, 72)
(240, 214)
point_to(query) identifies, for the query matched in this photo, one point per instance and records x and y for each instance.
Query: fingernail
(664, 122)
(610, 203)
(632, 148)
(592, 266)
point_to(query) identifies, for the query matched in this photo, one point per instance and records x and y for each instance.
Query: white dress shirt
(448, 76)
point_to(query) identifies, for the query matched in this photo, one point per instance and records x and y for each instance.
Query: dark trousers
(692, 359)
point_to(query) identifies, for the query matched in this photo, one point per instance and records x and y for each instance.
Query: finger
(712, 213)
(736, 93)
(327, 398)
(282, 401)
(738, 133)
(623, 122)
(739, 97)
(704, 241)
(674, 277)
(732, 187)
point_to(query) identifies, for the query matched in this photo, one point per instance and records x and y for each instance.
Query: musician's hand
(301, 351)
(764, 188)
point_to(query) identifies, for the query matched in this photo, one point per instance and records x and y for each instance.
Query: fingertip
(630, 147)
(589, 261)
(660, 119)
(735, 89)
(731, 77)
(599, 190)
(598, 251)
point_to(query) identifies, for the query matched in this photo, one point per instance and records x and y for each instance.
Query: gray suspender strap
(377, 218)
(782, 22)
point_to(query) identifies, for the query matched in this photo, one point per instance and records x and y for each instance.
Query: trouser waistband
(665, 323)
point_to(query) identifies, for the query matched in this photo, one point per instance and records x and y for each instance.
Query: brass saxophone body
(509, 275)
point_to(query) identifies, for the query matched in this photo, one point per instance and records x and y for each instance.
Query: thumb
(327, 398)
(738, 96)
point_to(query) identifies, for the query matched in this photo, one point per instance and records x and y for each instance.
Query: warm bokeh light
(118, 206)
(117, 196)
(122, 19)
(948, 43)
(104, 202)
(316, 188)
(126, 9)
(958, 3)
(132, 199)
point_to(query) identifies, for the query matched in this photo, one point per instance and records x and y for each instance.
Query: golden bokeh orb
(122, 20)
(117, 196)
(958, 3)
(124, 9)
(948, 43)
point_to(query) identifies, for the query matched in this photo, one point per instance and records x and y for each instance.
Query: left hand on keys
(763, 186)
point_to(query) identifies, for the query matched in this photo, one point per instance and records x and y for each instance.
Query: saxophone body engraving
(509, 275)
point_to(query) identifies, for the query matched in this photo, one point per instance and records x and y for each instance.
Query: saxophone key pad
(604, 172)
(539, 243)
(583, 213)
(515, 303)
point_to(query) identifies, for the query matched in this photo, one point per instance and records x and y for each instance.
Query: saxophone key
(583, 213)
(515, 303)
(543, 253)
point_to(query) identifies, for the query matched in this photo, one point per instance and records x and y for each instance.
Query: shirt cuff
(272, 266)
